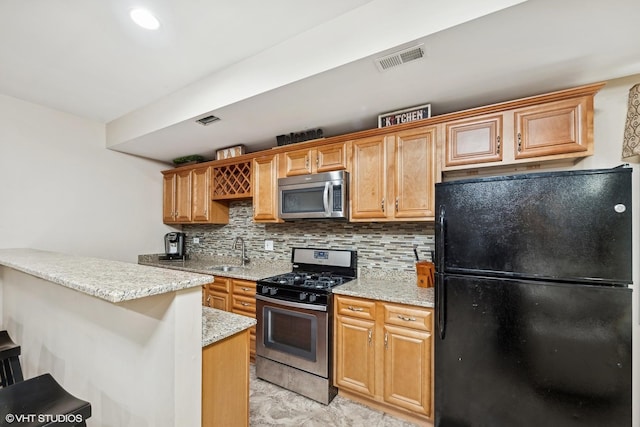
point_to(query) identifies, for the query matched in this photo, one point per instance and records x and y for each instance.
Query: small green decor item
(194, 158)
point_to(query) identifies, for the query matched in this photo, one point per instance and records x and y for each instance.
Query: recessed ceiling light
(145, 19)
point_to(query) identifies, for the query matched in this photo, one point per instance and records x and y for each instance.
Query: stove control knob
(272, 291)
(264, 290)
(312, 297)
(302, 296)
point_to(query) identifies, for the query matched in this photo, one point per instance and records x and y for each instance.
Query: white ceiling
(268, 68)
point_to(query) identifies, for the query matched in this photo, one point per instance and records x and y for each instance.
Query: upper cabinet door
(183, 196)
(325, 158)
(553, 128)
(368, 178)
(297, 162)
(201, 193)
(331, 157)
(415, 155)
(168, 198)
(265, 189)
(473, 140)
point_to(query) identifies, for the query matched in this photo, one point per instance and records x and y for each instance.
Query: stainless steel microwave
(321, 195)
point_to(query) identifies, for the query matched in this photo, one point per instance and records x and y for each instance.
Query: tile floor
(270, 405)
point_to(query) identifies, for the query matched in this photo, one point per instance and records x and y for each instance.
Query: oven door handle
(291, 303)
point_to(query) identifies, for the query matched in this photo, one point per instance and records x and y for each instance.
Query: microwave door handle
(325, 199)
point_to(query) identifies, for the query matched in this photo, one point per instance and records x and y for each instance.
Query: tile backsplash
(387, 246)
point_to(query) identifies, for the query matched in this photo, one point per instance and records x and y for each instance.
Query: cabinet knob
(386, 340)
(498, 146)
(406, 319)
(352, 308)
(382, 204)
(396, 204)
(370, 335)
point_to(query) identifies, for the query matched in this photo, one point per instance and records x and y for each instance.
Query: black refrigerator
(533, 305)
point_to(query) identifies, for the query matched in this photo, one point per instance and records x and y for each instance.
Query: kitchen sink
(225, 267)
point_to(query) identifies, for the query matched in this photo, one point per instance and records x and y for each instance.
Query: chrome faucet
(245, 260)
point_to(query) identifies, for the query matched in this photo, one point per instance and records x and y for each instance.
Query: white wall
(62, 190)
(609, 120)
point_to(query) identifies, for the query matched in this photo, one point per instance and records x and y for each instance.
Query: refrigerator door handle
(440, 305)
(441, 240)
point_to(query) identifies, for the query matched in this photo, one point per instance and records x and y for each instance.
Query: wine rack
(232, 181)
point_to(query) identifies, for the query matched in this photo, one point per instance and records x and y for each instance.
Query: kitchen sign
(404, 116)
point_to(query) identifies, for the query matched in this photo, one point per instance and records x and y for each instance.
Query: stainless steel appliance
(532, 300)
(174, 246)
(294, 312)
(320, 195)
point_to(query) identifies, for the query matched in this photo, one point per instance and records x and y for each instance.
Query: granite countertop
(254, 270)
(399, 290)
(218, 325)
(114, 281)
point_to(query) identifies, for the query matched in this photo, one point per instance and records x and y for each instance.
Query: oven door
(292, 333)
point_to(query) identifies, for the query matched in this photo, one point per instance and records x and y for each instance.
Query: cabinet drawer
(244, 304)
(353, 307)
(244, 287)
(220, 284)
(409, 317)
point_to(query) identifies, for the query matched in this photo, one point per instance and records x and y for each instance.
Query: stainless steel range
(295, 321)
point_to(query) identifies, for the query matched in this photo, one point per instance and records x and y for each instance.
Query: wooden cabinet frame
(383, 356)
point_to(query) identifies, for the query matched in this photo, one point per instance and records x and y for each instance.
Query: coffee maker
(174, 246)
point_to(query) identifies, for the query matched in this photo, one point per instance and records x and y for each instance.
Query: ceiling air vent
(208, 120)
(401, 57)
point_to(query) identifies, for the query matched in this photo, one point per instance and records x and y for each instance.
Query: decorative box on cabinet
(393, 176)
(383, 356)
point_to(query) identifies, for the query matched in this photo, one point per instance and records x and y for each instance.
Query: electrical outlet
(268, 245)
(196, 240)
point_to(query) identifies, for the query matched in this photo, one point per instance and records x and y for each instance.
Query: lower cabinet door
(407, 385)
(355, 369)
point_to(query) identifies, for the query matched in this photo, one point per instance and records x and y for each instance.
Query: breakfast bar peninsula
(125, 337)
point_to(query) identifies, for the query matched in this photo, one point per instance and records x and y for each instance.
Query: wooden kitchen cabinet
(354, 366)
(203, 208)
(393, 176)
(473, 140)
(383, 356)
(325, 158)
(225, 382)
(237, 296)
(264, 181)
(217, 294)
(553, 128)
(187, 198)
(176, 202)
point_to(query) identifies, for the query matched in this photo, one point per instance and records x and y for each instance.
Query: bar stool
(41, 401)
(10, 369)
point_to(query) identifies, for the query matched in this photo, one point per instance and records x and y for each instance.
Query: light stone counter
(114, 281)
(400, 290)
(218, 325)
(254, 270)
(141, 326)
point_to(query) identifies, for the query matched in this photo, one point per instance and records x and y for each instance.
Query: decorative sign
(300, 136)
(404, 116)
(226, 153)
